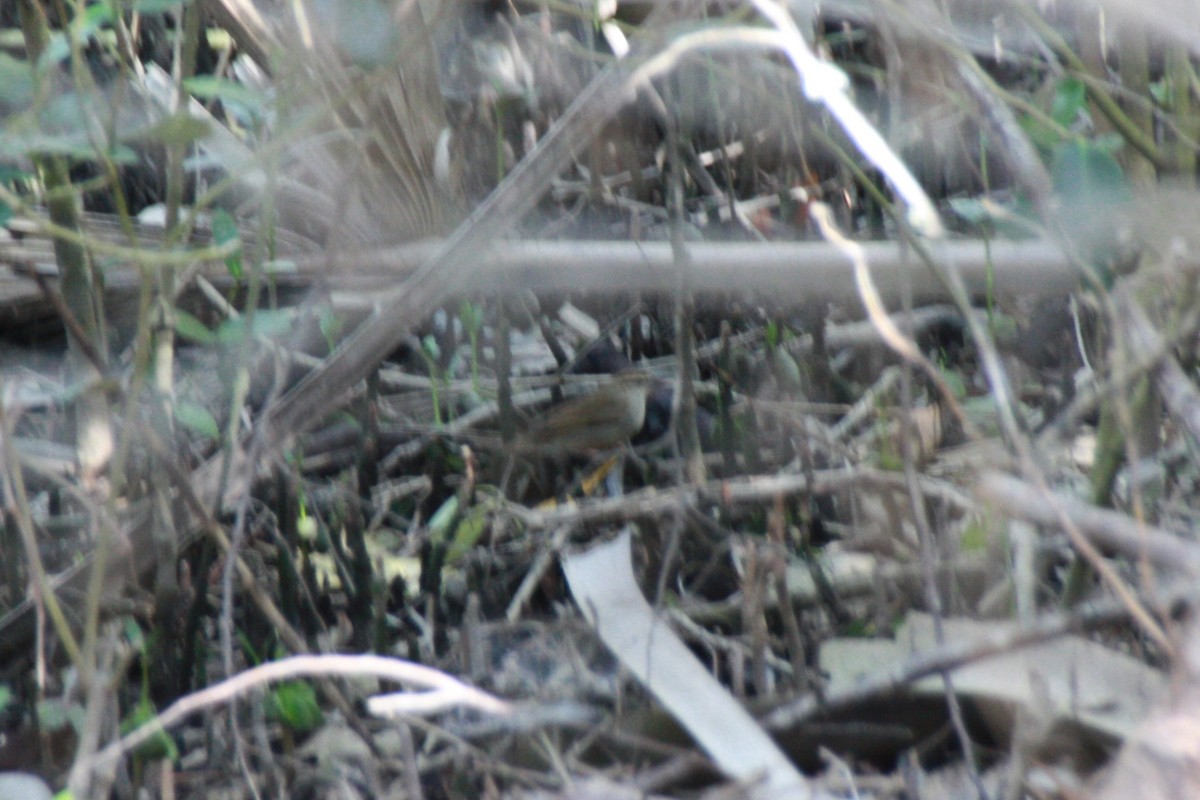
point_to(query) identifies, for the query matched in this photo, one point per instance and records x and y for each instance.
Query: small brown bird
(603, 419)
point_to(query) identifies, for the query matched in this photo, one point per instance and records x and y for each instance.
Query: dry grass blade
(370, 148)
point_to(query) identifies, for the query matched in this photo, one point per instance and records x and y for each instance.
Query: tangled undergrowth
(315, 383)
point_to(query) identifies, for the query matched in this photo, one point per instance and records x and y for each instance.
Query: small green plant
(430, 352)
(331, 327)
(294, 704)
(225, 232)
(160, 745)
(10, 178)
(471, 315)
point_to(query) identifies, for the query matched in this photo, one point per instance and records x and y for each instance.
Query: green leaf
(196, 419)
(1110, 143)
(970, 210)
(859, 629)
(1161, 92)
(974, 538)
(331, 326)
(294, 703)
(439, 523)
(9, 174)
(785, 370)
(10, 177)
(232, 331)
(272, 322)
(1039, 132)
(72, 144)
(890, 462)
(192, 329)
(218, 38)
(471, 315)
(224, 231)
(1093, 192)
(957, 386)
(56, 714)
(148, 7)
(159, 745)
(210, 87)
(95, 18)
(179, 129)
(266, 323)
(58, 49)
(468, 533)
(1085, 172)
(252, 654)
(118, 154)
(134, 633)
(1070, 100)
(16, 81)
(429, 346)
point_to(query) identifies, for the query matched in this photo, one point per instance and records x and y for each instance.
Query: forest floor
(664, 400)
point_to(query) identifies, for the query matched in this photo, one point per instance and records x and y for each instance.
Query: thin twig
(444, 692)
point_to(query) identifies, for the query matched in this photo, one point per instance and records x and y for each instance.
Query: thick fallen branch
(785, 272)
(790, 272)
(1107, 528)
